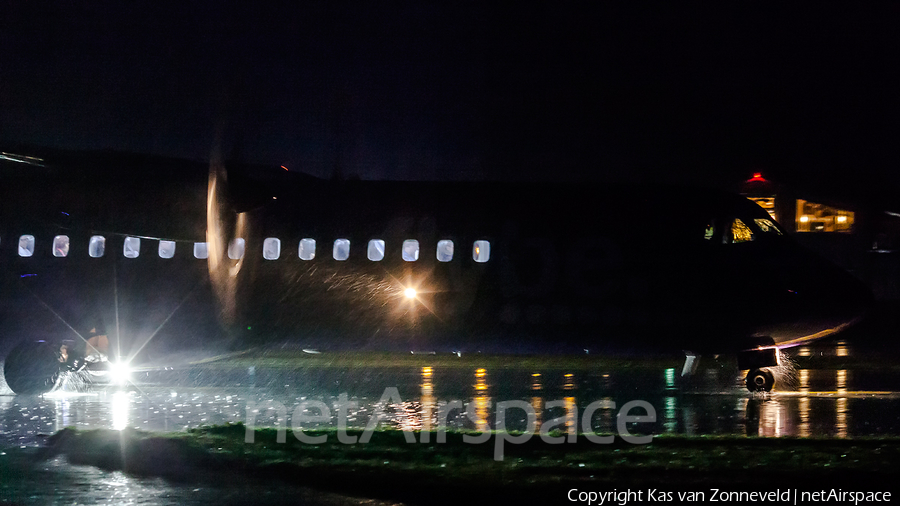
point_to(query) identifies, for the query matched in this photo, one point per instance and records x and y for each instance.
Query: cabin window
(375, 252)
(236, 248)
(271, 248)
(445, 251)
(341, 250)
(740, 232)
(307, 249)
(481, 251)
(201, 250)
(97, 246)
(61, 246)
(166, 249)
(26, 245)
(410, 250)
(132, 247)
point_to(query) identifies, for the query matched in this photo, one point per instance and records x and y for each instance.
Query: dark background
(805, 93)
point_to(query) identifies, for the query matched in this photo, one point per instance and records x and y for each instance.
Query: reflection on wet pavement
(58, 482)
(839, 403)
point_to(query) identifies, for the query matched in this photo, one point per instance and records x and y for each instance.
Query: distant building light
(804, 219)
(842, 219)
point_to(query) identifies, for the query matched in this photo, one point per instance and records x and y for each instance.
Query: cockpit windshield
(740, 232)
(767, 226)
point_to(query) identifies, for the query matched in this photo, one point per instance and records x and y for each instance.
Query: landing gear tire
(760, 380)
(32, 368)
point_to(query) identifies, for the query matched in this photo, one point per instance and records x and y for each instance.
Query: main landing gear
(757, 357)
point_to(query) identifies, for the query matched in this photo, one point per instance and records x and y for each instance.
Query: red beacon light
(757, 176)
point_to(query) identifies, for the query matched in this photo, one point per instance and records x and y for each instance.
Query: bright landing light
(410, 293)
(119, 372)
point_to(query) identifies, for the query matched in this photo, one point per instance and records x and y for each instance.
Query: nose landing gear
(760, 380)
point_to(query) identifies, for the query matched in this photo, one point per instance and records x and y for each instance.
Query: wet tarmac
(823, 402)
(816, 401)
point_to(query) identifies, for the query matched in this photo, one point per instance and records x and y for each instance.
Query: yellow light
(410, 293)
(842, 219)
(804, 219)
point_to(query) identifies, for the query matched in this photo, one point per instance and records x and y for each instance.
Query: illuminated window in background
(767, 226)
(445, 251)
(61, 246)
(740, 232)
(307, 249)
(132, 247)
(271, 248)
(97, 246)
(481, 251)
(812, 217)
(236, 248)
(26, 245)
(341, 250)
(767, 203)
(166, 249)
(410, 250)
(375, 251)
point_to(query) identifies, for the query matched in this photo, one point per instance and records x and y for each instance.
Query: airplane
(156, 249)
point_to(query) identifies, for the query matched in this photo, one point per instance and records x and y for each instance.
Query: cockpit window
(740, 232)
(767, 226)
(61, 246)
(710, 231)
(26, 245)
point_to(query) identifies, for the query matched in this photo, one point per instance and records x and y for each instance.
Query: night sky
(465, 91)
